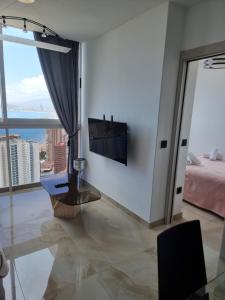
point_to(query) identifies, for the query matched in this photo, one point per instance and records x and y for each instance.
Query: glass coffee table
(68, 192)
(214, 290)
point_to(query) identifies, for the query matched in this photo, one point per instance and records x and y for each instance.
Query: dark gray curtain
(61, 75)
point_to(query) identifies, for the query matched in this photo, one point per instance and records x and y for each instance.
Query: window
(35, 153)
(26, 91)
(31, 136)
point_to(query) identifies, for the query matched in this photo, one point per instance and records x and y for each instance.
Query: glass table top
(214, 290)
(71, 190)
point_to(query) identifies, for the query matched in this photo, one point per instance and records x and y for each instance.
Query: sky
(23, 75)
(21, 57)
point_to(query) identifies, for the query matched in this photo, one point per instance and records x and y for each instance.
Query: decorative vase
(79, 164)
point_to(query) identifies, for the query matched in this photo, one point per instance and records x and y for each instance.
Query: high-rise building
(4, 174)
(24, 158)
(59, 157)
(56, 148)
(54, 136)
(35, 162)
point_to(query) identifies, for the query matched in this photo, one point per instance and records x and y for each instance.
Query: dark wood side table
(67, 193)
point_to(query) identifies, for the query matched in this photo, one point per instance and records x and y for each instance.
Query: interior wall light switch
(163, 144)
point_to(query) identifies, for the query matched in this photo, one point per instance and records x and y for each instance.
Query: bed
(205, 185)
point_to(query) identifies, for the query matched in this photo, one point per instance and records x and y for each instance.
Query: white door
(184, 135)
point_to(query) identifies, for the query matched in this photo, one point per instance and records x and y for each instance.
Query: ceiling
(81, 19)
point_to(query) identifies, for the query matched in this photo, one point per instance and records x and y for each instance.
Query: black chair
(181, 263)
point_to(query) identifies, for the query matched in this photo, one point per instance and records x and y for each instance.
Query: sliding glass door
(32, 141)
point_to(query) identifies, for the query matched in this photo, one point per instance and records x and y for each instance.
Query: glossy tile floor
(103, 254)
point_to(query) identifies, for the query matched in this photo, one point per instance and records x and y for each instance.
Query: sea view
(34, 134)
(39, 151)
(31, 115)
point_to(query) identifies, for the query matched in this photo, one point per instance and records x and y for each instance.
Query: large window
(26, 91)
(32, 141)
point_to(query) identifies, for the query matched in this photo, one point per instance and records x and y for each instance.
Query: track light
(24, 25)
(44, 35)
(4, 22)
(42, 28)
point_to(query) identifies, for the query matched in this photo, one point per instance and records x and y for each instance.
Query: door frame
(185, 57)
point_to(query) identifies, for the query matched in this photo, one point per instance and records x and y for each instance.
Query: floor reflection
(102, 254)
(2, 290)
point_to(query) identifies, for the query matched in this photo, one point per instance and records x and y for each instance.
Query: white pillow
(218, 157)
(206, 155)
(213, 154)
(189, 162)
(193, 159)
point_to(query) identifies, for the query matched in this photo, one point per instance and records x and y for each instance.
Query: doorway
(195, 173)
(200, 174)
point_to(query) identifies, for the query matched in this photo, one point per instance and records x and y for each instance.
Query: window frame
(10, 123)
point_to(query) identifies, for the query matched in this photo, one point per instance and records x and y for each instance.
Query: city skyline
(24, 161)
(30, 159)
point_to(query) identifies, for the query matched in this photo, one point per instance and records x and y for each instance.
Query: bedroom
(200, 171)
(205, 171)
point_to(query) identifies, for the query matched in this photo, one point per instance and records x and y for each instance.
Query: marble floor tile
(134, 278)
(102, 254)
(21, 216)
(109, 230)
(211, 225)
(114, 284)
(12, 286)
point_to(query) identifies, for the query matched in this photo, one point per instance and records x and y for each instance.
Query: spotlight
(24, 25)
(27, 1)
(44, 35)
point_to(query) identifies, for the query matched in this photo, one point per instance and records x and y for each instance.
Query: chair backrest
(181, 263)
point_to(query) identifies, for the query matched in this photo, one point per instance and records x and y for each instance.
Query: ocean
(31, 115)
(34, 134)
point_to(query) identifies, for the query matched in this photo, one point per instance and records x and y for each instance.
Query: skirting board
(177, 216)
(162, 221)
(133, 215)
(126, 210)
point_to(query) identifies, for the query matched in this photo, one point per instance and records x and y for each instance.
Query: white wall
(208, 118)
(205, 24)
(167, 99)
(126, 73)
(122, 75)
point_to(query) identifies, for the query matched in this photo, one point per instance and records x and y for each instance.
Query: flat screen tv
(108, 139)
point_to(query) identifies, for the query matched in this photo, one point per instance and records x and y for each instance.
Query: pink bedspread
(205, 186)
